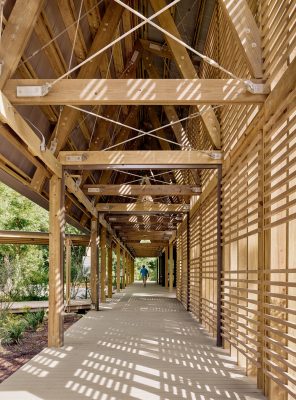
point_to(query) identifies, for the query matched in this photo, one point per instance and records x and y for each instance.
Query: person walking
(144, 273)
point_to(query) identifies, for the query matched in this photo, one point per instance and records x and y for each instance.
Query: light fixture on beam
(216, 155)
(94, 190)
(32, 91)
(76, 158)
(195, 189)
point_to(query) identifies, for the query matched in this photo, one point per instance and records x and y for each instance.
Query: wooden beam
(94, 266)
(142, 208)
(139, 159)
(103, 37)
(10, 116)
(78, 193)
(56, 248)
(246, 32)
(135, 92)
(156, 48)
(187, 69)
(141, 190)
(16, 35)
(20, 237)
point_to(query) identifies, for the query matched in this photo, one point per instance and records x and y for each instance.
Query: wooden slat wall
(182, 271)
(258, 212)
(195, 264)
(209, 262)
(280, 265)
(241, 199)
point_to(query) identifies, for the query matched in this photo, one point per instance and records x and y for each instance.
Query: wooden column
(68, 272)
(118, 267)
(110, 270)
(166, 267)
(94, 267)
(171, 248)
(56, 248)
(123, 269)
(128, 270)
(103, 263)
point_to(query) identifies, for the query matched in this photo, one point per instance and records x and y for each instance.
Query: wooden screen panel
(240, 284)
(278, 37)
(179, 264)
(182, 273)
(280, 262)
(209, 263)
(184, 290)
(195, 264)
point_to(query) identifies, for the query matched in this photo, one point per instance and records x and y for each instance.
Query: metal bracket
(256, 88)
(32, 91)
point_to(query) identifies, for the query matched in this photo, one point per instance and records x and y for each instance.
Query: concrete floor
(142, 345)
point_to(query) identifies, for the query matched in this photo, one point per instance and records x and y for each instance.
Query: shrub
(34, 319)
(12, 330)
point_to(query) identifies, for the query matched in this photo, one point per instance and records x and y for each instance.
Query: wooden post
(123, 268)
(171, 247)
(56, 248)
(103, 263)
(166, 267)
(118, 267)
(94, 270)
(133, 270)
(110, 270)
(68, 272)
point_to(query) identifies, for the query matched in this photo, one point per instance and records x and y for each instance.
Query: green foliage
(24, 268)
(34, 319)
(12, 329)
(150, 263)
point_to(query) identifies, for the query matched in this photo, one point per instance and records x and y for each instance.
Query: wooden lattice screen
(258, 211)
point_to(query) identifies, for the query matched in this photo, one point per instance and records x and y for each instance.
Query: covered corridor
(141, 345)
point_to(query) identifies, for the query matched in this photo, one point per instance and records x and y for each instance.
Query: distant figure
(144, 273)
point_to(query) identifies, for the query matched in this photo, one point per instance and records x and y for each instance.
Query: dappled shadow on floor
(146, 346)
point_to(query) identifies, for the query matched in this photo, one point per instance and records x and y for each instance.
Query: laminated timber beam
(187, 69)
(138, 159)
(135, 92)
(17, 33)
(19, 237)
(140, 190)
(246, 33)
(142, 208)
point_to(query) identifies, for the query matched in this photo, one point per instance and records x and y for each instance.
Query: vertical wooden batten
(68, 272)
(103, 263)
(56, 249)
(117, 267)
(171, 248)
(94, 270)
(110, 270)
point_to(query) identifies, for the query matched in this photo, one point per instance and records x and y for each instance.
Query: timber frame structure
(152, 126)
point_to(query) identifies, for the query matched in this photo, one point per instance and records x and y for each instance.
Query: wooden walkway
(142, 345)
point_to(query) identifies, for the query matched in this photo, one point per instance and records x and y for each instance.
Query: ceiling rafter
(17, 33)
(187, 69)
